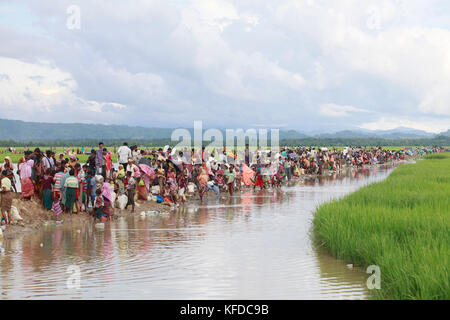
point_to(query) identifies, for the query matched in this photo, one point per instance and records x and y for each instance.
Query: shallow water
(255, 245)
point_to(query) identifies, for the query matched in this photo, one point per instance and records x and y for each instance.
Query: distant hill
(18, 130)
(21, 131)
(39, 131)
(403, 133)
(345, 134)
(292, 134)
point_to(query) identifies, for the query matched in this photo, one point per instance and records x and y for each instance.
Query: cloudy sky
(311, 65)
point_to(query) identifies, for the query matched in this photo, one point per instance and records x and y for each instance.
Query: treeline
(308, 141)
(342, 142)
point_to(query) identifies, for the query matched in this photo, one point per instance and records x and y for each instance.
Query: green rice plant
(401, 224)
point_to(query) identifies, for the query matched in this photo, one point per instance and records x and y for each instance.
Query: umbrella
(175, 164)
(293, 155)
(147, 170)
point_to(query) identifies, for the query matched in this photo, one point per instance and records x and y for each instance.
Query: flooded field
(255, 245)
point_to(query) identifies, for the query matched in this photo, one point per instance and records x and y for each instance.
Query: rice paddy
(401, 224)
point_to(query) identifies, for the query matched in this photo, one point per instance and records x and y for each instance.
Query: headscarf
(106, 192)
(120, 173)
(10, 163)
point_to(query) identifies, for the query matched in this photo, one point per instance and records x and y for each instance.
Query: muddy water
(255, 245)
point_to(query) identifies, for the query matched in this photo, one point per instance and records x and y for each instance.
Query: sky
(308, 65)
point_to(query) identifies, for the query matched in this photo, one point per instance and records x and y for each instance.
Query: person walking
(124, 153)
(100, 161)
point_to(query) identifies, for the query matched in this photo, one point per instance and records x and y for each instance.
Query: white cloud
(38, 91)
(334, 110)
(258, 59)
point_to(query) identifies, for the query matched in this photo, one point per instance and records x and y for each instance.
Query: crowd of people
(166, 175)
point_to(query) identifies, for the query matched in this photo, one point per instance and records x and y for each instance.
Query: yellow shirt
(6, 183)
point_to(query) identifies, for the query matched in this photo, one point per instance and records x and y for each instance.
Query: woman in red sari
(142, 189)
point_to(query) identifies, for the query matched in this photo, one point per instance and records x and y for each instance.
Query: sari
(203, 180)
(107, 208)
(142, 191)
(47, 198)
(247, 175)
(147, 174)
(70, 198)
(259, 179)
(27, 188)
(108, 200)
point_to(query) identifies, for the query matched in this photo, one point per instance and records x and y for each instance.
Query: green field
(401, 224)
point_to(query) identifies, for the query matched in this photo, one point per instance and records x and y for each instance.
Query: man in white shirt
(49, 163)
(132, 167)
(124, 153)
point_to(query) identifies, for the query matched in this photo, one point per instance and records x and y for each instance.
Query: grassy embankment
(401, 224)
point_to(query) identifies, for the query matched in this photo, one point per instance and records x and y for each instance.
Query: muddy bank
(36, 217)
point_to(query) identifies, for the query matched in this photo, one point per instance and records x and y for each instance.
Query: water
(255, 245)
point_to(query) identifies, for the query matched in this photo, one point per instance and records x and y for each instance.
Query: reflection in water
(254, 245)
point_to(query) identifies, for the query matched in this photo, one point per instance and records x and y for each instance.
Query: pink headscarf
(106, 191)
(137, 172)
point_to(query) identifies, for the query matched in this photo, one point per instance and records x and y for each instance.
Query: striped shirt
(56, 208)
(57, 179)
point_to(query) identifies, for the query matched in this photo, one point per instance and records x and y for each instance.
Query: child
(131, 187)
(6, 199)
(85, 180)
(56, 207)
(160, 174)
(220, 181)
(231, 176)
(238, 173)
(10, 175)
(172, 189)
(98, 204)
(92, 187)
(181, 182)
(46, 186)
(120, 181)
